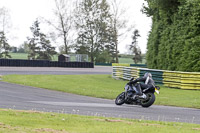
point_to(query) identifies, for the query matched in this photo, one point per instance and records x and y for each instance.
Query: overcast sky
(24, 13)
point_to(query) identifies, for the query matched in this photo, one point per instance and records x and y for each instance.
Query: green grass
(102, 86)
(124, 59)
(25, 56)
(38, 122)
(19, 55)
(178, 97)
(130, 60)
(90, 85)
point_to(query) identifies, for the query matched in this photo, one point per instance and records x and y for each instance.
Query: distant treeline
(174, 40)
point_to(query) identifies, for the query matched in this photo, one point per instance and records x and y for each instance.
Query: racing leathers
(147, 83)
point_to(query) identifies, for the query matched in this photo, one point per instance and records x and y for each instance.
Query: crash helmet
(147, 74)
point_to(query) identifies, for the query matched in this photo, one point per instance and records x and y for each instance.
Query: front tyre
(120, 99)
(149, 101)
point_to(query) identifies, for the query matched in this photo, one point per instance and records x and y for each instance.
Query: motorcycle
(129, 97)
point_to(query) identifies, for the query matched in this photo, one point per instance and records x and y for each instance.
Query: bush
(174, 41)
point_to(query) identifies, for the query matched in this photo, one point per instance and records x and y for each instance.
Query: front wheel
(149, 100)
(120, 99)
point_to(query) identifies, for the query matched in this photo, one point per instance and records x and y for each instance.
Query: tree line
(89, 27)
(174, 40)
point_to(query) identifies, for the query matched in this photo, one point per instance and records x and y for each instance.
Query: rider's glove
(129, 83)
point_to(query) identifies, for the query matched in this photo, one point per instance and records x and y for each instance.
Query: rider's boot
(143, 96)
(136, 96)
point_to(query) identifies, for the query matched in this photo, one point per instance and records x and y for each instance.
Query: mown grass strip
(12, 121)
(102, 86)
(122, 59)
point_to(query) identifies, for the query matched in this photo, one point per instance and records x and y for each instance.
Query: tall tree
(93, 24)
(46, 50)
(4, 46)
(39, 45)
(135, 48)
(5, 20)
(119, 25)
(63, 23)
(33, 41)
(5, 23)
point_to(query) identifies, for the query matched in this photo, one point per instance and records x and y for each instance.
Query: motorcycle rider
(148, 83)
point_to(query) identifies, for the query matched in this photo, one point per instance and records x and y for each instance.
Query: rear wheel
(120, 99)
(149, 100)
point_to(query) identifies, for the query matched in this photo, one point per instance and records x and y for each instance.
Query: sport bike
(129, 97)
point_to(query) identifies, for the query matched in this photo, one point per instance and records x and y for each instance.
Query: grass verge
(25, 56)
(12, 121)
(124, 59)
(102, 86)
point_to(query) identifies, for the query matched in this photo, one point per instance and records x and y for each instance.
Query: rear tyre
(120, 99)
(149, 101)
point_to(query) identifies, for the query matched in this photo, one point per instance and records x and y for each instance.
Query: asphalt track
(54, 70)
(20, 97)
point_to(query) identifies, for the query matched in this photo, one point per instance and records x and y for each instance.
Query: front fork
(125, 94)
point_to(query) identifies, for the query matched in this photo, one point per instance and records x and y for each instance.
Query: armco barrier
(121, 64)
(138, 65)
(129, 65)
(44, 63)
(103, 64)
(127, 72)
(181, 80)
